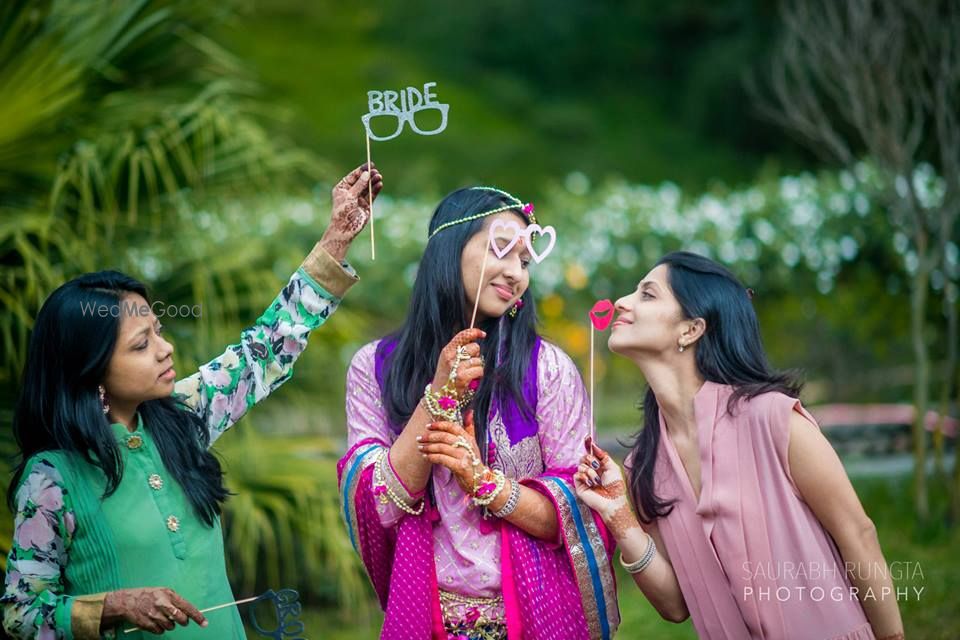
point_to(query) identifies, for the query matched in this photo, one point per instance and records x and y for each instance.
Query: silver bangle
(645, 559)
(512, 501)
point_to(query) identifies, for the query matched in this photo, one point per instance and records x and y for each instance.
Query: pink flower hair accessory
(527, 210)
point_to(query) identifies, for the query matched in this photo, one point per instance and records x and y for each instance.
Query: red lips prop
(601, 315)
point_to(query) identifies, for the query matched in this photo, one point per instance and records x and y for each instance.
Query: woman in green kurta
(117, 497)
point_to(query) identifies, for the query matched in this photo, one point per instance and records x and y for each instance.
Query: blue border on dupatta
(588, 553)
(358, 458)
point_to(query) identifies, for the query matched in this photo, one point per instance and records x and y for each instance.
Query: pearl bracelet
(383, 489)
(441, 406)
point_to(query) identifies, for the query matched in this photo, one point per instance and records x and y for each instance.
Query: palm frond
(283, 526)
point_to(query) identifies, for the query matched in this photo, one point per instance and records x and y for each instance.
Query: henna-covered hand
(469, 370)
(600, 485)
(437, 445)
(153, 609)
(351, 208)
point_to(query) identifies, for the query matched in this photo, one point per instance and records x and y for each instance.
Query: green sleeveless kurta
(146, 534)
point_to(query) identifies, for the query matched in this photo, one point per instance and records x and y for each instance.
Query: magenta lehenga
(442, 571)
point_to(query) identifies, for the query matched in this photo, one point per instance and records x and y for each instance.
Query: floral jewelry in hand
(445, 404)
(489, 485)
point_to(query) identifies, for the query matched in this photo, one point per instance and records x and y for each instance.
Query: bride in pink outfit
(457, 484)
(746, 521)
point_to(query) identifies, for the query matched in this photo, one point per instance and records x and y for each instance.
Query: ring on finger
(463, 444)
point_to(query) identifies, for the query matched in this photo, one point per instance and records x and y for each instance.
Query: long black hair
(438, 310)
(59, 406)
(729, 352)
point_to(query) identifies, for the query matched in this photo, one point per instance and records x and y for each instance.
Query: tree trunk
(955, 494)
(949, 377)
(921, 384)
(948, 395)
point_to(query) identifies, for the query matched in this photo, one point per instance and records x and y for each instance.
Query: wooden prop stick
(593, 426)
(373, 238)
(230, 604)
(476, 302)
(518, 236)
(601, 315)
(219, 606)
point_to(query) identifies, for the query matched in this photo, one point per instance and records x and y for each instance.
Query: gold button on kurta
(134, 442)
(155, 481)
(173, 523)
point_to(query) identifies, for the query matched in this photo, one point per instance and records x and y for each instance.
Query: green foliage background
(194, 145)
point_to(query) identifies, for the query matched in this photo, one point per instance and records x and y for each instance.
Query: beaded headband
(525, 209)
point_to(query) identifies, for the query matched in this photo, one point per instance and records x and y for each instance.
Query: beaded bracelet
(512, 501)
(441, 405)
(645, 559)
(447, 403)
(490, 487)
(382, 489)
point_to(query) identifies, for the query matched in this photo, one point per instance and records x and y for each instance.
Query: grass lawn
(934, 549)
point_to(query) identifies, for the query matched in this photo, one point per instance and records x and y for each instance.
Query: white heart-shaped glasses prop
(543, 231)
(515, 235)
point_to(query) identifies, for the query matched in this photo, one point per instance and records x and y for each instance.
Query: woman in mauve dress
(746, 521)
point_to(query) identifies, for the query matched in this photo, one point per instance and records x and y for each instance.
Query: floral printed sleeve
(34, 605)
(225, 388)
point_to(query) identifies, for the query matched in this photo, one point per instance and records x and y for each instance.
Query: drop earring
(103, 400)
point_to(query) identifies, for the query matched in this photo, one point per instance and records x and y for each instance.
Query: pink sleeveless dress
(751, 558)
